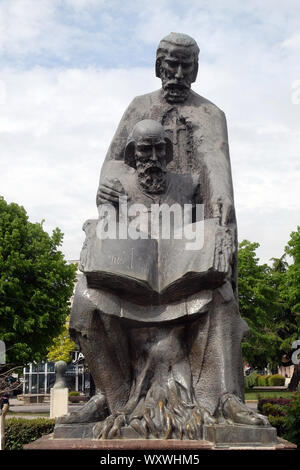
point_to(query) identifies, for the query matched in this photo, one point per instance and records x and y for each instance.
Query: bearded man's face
(150, 157)
(176, 73)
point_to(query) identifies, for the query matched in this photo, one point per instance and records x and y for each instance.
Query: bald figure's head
(177, 65)
(147, 128)
(149, 150)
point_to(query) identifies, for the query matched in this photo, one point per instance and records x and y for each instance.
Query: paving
(17, 409)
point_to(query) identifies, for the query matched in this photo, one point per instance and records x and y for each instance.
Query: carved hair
(178, 39)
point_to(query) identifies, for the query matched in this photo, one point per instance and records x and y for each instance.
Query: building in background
(40, 378)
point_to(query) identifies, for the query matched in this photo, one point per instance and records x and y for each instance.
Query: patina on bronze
(167, 364)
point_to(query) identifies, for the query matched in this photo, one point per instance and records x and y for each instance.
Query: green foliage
(286, 278)
(20, 431)
(258, 304)
(61, 347)
(293, 274)
(266, 394)
(269, 299)
(263, 380)
(274, 410)
(276, 380)
(250, 380)
(270, 380)
(74, 394)
(284, 415)
(278, 422)
(281, 401)
(276, 415)
(36, 284)
(292, 421)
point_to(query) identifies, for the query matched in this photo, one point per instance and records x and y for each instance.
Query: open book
(155, 270)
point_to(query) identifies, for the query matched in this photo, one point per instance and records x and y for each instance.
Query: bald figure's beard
(151, 178)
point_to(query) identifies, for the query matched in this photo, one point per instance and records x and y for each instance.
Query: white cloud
(55, 129)
(83, 4)
(22, 22)
(292, 42)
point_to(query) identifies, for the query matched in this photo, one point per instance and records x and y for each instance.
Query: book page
(126, 260)
(186, 267)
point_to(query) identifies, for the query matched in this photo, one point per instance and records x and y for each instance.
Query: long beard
(174, 91)
(151, 178)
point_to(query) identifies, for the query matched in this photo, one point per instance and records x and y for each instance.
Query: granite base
(240, 435)
(220, 435)
(49, 443)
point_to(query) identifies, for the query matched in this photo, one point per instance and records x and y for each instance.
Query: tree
(62, 347)
(291, 293)
(292, 285)
(36, 284)
(284, 319)
(270, 303)
(258, 300)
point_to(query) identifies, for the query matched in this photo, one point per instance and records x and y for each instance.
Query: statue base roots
(154, 398)
(161, 404)
(161, 414)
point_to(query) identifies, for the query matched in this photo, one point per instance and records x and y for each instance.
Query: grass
(256, 395)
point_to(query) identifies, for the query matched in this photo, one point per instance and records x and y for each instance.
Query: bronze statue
(163, 338)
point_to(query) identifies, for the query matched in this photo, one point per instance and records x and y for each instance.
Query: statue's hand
(110, 192)
(224, 209)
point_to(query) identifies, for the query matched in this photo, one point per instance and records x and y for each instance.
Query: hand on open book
(110, 192)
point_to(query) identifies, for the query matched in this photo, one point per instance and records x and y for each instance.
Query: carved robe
(198, 131)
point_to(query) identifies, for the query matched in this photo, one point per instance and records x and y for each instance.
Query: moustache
(149, 168)
(176, 85)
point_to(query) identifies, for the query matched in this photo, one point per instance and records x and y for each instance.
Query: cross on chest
(175, 127)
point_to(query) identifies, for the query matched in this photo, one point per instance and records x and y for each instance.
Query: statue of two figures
(157, 316)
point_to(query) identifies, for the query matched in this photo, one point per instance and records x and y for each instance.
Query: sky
(69, 69)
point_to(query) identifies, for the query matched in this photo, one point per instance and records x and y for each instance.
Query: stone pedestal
(49, 443)
(240, 435)
(219, 436)
(58, 402)
(71, 431)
